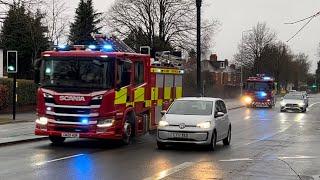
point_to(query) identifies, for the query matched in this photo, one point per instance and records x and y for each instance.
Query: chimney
(226, 63)
(213, 57)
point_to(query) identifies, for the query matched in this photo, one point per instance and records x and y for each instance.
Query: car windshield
(293, 96)
(191, 107)
(73, 72)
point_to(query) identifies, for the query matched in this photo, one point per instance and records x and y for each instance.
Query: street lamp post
(199, 84)
(241, 67)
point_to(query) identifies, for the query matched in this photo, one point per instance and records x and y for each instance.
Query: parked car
(202, 121)
(294, 101)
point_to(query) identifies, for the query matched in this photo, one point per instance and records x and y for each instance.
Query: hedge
(3, 96)
(26, 91)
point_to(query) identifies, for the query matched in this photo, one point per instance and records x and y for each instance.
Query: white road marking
(168, 172)
(59, 159)
(310, 106)
(232, 160)
(268, 136)
(297, 157)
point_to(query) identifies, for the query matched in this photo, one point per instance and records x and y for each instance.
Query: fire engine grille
(72, 129)
(71, 110)
(67, 119)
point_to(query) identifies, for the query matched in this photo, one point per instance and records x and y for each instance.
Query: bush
(26, 91)
(3, 96)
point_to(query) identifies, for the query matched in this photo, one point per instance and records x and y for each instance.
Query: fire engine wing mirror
(163, 112)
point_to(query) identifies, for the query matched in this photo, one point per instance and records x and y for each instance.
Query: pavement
(22, 129)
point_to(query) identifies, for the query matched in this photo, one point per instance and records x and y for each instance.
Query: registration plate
(179, 135)
(70, 135)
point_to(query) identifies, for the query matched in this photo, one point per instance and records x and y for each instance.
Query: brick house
(223, 74)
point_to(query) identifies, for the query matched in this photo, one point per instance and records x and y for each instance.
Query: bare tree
(253, 45)
(170, 21)
(56, 20)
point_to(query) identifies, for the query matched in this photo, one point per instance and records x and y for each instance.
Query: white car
(293, 102)
(202, 121)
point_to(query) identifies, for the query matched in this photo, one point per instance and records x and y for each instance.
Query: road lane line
(232, 160)
(310, 106)
(268, 136)
(168, 172)
(297, 157)
(59, 159)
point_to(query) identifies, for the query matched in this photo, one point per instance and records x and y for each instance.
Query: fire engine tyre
(127, 133)
(57, 140)
(161, 145)
(226, 141)
(213, 143)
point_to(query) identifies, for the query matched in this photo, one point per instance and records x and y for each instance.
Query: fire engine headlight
(97, 97)
(247, 100)
(105, 123)
(42, 121)
(47, 95)
(204, 125)
(163, 123)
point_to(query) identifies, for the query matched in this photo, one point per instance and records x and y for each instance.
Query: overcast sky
(236, 16)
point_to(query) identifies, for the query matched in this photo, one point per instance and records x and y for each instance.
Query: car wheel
(304, 110)
(127, 133)
(226, 141)
(161, 145)
(281, 110)
(57, 140)
(213, 143)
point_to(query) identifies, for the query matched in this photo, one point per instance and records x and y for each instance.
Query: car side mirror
(219, 114)
(163, 112)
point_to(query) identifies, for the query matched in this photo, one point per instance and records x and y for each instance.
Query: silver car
(295, 102)
(202, 121)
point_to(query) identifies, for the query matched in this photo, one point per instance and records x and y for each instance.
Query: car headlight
(204, 125)
(301, 104)
(282, 103)
(163, 123)
(105, 123)
(42, 120)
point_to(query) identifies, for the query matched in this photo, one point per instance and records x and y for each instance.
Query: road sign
(12, 61)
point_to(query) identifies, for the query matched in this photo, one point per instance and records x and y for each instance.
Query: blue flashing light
(266, 78)
(84, 120)
(92, 47)
(263, 94)
(62, 46)
(107, 47)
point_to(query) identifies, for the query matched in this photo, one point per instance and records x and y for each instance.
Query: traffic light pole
(14, 96)
(199, 83)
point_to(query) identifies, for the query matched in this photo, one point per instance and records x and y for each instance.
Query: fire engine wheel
(57, 140)
(127, 133)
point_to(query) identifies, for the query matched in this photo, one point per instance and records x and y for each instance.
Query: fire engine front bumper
(262, 103)
(109, 134)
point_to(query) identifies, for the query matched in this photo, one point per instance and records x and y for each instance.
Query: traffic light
(12, 61)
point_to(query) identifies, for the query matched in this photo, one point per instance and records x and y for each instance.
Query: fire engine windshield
(259, 86)
(77, 72)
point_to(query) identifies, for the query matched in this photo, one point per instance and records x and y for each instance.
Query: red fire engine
(102, 91)
(259, 91)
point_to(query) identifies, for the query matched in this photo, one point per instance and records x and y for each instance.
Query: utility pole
(199, 83)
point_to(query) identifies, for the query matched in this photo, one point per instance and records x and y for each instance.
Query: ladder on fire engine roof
(165, 58)
(117, 44)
